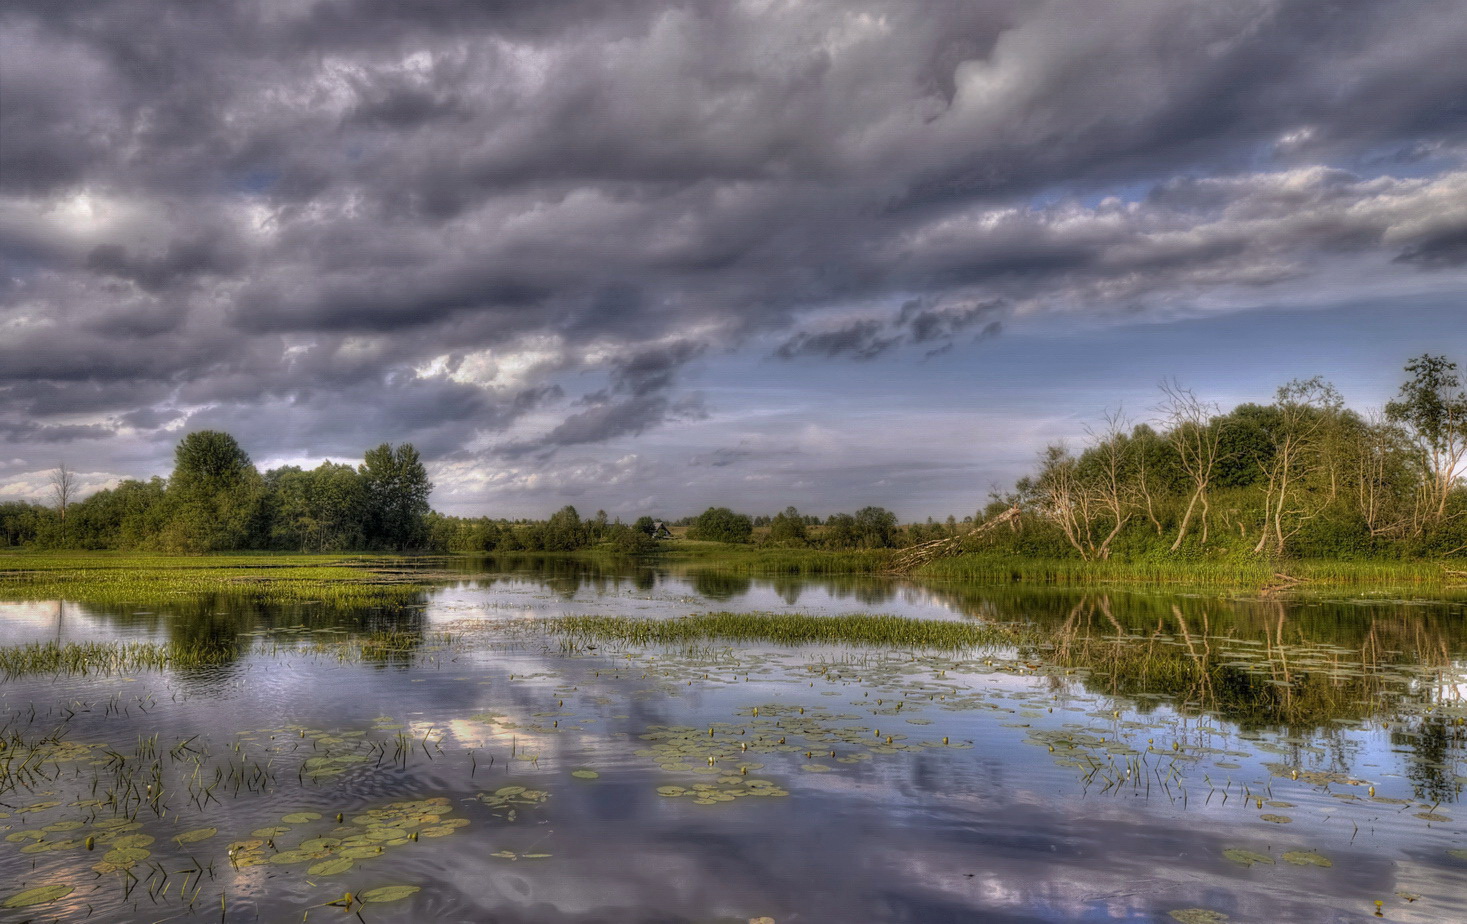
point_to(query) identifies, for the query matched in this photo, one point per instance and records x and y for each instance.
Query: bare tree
(1306, 409)
(1091, 497)
(63, 489)
(1113, 483)
(1195, 439)
(1062, 497)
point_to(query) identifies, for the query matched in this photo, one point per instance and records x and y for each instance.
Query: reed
(107, 657)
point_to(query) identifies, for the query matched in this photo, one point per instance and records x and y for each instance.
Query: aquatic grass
(108, 657)
(786, 629)
(374, 647)
(142, 579)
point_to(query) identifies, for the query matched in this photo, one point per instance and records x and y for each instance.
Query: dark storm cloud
(602, 421)
(1449, 248)
(365, 220)
(862, 340)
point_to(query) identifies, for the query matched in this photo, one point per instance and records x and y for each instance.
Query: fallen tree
(918, 555)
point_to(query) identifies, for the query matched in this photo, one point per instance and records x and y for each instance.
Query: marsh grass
(786, 629)
(108, 657)
(106, 578)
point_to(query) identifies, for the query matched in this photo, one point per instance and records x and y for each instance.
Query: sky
(651, 256)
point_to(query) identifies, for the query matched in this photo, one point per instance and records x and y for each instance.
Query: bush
(720, 524)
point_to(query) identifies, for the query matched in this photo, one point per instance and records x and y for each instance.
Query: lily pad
(1277, 819)
(37, 896)
(585, 774)
(1247, 857)
(388, 893)
(361, 853)
(331, 867)
(1198, 916)
(1308, 858)
(196, 835)
(300, 818)
(126, 856)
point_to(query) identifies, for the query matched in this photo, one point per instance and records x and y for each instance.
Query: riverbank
(1272, 576)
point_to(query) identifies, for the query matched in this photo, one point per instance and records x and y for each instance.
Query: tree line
(1302, 475)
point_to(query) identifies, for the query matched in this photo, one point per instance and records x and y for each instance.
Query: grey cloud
(652, 370)
(724, 457)
(861, 340)
(31, 432)
(1449, 248)
(301, 205)
(149, 418)
(607, 421)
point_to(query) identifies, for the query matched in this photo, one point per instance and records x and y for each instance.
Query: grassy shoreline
(1275, 576)
(367, 580)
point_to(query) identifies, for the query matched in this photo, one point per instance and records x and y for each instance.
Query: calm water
(1146, 754)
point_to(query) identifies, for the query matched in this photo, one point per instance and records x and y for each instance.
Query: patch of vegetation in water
(42, 658)
(143, 579)
(785, 629)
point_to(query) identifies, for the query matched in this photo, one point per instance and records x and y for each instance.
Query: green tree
(215, 492)
(395, 489)
(840, 531)
(565, 531)
(720, 524)
(788, 527)
(875, 527)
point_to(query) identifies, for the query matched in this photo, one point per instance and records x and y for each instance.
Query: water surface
(1140, 755)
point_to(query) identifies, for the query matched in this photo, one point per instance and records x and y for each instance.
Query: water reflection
(1099, 767)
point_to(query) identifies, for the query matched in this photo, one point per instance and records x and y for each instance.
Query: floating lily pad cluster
(730, 788)
(116, 839)
(815, 732)
(365, 836)
(325, 752)
(506, 801)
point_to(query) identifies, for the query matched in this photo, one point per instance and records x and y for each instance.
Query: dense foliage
(216, 500)
(720, 524)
